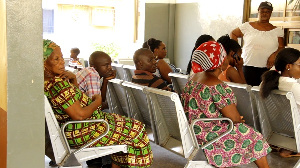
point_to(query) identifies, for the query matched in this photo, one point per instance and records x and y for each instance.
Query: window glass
(278, 7)
(48, 21)
(293, 8)
(294, 37)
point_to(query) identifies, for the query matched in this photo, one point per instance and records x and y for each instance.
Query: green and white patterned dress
(242, 146)
(61, 94)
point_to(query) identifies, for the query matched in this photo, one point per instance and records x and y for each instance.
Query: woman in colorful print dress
(205, 96)
(69, 103)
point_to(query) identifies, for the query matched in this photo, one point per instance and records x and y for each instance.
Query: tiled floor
(166, 159)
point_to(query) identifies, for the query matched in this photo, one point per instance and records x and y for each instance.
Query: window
(293, 8)
(294, 38)
(48, 21)
(103, 16)
(283, 10)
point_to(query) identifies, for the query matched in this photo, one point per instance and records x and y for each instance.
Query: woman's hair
(201, 39)
(152, 44)
(229, 44)
(270, 79)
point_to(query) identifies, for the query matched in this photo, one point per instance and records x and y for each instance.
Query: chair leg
(70, 161)
(297, 165)
(198, 164)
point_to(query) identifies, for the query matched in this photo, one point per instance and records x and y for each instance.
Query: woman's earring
(288, 69)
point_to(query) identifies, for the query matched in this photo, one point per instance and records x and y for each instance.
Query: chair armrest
(88, 144)
(212, 119)
(178, 70)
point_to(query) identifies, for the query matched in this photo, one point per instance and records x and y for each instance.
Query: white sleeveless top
(259, 45)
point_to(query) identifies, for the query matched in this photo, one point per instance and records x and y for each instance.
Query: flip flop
(288, 154)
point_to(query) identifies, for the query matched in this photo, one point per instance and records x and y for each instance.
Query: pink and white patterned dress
(242, 146)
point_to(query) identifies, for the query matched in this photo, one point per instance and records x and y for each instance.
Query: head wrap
(208, 56)
(48, 48)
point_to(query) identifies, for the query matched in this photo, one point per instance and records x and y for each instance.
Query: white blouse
(290, 84)
(259, 45)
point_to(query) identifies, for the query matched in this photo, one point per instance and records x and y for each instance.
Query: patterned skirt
(123, 131)
(242, 145)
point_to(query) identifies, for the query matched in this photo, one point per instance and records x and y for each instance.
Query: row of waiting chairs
(167, 125)
(276, 117)
(162, 113)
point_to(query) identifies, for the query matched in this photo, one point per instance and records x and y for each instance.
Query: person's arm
(272, 57)
(164, 70)
(93, 84)
(236, 75)
(70, 76)
(104, 89)
(104, 85)
(76, 112)
(157, 82)
(230, 111)
(235, 34)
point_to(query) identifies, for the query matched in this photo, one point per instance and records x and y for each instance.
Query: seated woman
(205, 96)
(287, 65)
(201, 39)
(159, 50)
(69, 103)
(234, 70)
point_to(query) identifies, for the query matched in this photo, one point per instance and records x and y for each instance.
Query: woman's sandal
(286, 153)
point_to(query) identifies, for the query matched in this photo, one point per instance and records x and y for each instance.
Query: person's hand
(271, 60)
(239, 63)
(97, 98)
(67, 75)
(112, 76)
(242, 121)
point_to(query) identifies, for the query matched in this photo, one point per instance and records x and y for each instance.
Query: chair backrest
(59, 146)
(170, 119)
(129, 72)
(116, 97)
(178, 81)
(119, 69)
(246, 104)
(126, 61)
(279, 118)
(139, 107)
(137, 102)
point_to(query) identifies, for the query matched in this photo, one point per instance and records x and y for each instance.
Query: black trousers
(253, 74)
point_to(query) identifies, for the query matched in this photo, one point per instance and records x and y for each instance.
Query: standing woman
(262, 42)
(205, 96)
(69, 103)
(159, 50)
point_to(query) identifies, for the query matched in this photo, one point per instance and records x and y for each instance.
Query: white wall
(192, 19)
(159, 24)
